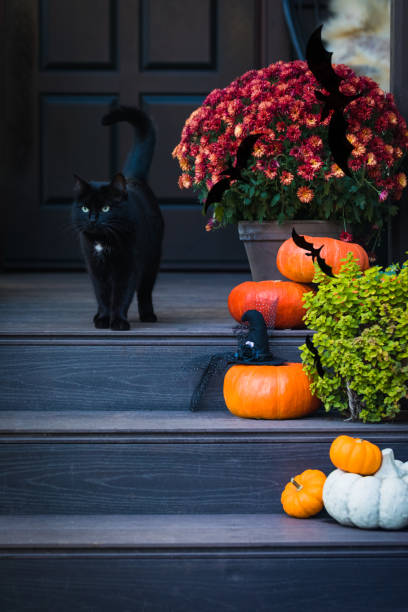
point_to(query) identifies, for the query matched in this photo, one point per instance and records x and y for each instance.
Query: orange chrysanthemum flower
(358, 150)
(402, 179)
(305, 194)
(316, 163)
(336, 171)
(185, 181)
(259, 149)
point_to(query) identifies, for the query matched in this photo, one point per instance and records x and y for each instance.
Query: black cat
(121, 229)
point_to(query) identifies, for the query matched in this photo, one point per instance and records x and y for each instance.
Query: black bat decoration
(339, 145)
(319, 62)
(232, 173)
(316, 356)
(314, 253)
(253, 349)
(216, 192)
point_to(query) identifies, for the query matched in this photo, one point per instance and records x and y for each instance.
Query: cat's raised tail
(140, 155)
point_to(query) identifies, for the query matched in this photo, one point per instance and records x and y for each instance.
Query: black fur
(121, 230)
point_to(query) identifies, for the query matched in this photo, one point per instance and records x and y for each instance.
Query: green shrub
(361, 324)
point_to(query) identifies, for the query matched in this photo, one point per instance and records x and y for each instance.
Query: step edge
(168, 422)
(189, 532)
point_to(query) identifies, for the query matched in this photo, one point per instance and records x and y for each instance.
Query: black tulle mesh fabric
(246, 353)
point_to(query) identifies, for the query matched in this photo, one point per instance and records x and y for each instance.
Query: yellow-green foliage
(361, 320)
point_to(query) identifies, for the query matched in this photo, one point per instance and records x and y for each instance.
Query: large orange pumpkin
(269, 392)
(355, 455)
(294, 263)
(262, 294)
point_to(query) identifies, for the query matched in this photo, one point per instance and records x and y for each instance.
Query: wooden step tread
(186, 531)
(58, 303)
(182, 422)
(58, 308)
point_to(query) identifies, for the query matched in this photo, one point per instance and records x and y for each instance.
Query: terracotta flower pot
(262, 241)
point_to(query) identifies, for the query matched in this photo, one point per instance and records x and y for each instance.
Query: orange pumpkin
(303, 495)
(269, 392)
(355, 455)
(294, 263)
(262, 294)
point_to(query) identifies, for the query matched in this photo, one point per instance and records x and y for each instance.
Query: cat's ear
(119, 184)
(81, 187)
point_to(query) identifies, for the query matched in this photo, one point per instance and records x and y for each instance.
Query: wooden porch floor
(63, 302)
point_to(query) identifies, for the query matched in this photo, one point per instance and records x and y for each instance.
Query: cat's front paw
(119, 325)
(101, 322)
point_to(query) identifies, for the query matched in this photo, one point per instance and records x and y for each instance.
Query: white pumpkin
(370, 502)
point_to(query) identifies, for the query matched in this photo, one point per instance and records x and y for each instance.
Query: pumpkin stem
(298, 486)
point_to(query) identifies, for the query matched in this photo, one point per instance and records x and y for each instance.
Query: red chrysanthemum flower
(286, 178)
(306, 171)
(346, 237)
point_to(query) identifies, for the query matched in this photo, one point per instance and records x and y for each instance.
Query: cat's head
(99, 207)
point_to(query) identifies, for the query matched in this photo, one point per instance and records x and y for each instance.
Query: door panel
(70, 121)
(68, 61)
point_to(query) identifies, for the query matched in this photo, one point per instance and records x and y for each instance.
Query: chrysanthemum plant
(291, 174)
(361, 324)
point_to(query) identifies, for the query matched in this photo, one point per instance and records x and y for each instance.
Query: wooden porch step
(140, 370)
(162, 462)
(181, 563)
(52, 358)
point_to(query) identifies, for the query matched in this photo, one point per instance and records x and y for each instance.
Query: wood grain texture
(159, 476)
(243, 584)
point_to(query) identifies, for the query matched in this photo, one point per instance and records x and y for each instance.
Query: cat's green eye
(106, 209)
(85, 209)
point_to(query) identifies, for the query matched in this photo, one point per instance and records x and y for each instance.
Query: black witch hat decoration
(319, 63)
(232, 173)
(253, 349)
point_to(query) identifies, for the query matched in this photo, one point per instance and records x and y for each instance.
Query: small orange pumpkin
(294, 263)
(262, 294)
(355, 455)
(303, 495)
(269, 392)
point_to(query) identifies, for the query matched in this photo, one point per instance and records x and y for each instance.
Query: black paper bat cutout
(253, 349)
(319, 62)
(232, 173)
(316, 356)
(314, 253)
(339, 145)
